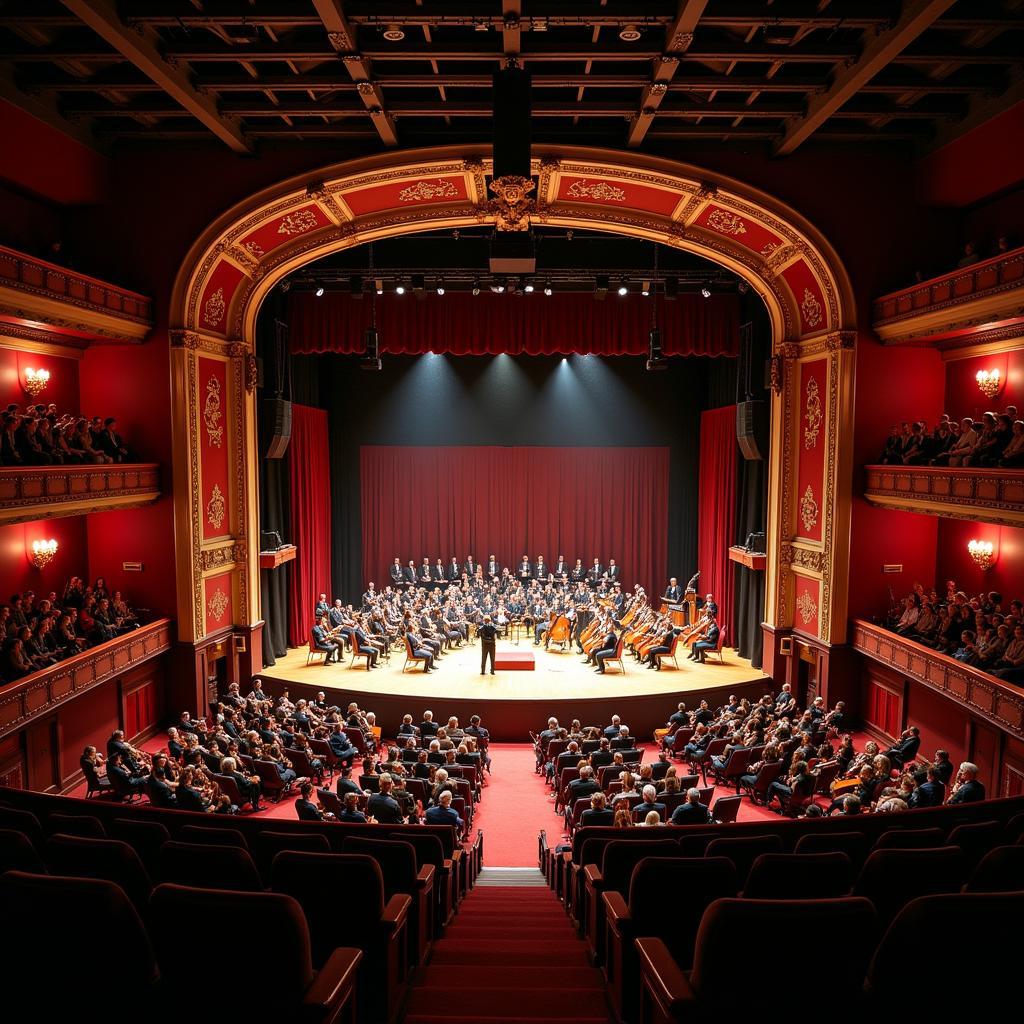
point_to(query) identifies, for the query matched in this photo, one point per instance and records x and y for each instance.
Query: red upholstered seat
(18, 854)
(892, 878)
(267, 845)
(1000, 870)
(910, 839)
(206, 866)
(76, 825)
(976, 839)
(217, 836)
(143, 836)
(799, 876)
(108, 859)
(853, 844)
(743, 851)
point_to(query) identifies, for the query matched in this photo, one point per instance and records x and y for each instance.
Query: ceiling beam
(511, 27)
(678, 40)
(140, 48)
(915, 18)
(342, 38)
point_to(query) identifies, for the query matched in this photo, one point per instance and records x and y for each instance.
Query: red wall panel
(963, 397)
(214, 446)
(17, 574)
(218, 602)
(882, 708)
(807, 599)
(811, 448)
(90, 720)
(954, 560)
(942, 722)
(62, 388)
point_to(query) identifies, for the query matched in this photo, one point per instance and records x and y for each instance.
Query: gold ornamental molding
(37, 492)
(981, 495)
(253, 246)
(984, 695)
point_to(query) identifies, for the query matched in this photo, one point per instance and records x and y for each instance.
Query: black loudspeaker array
(279, 425)
(751, 428)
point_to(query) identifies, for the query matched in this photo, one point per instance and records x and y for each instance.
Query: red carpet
(510, 957)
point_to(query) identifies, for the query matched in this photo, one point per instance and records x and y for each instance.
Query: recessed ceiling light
(319, 290)
(394, 34)
(629, 33)
(548, 290)
(623, 287)
(705, 291)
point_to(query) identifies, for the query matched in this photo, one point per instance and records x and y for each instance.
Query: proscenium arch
(240, 258)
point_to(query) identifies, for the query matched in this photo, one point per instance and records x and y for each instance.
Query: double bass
(559, 630)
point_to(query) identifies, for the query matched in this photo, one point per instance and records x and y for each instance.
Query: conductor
(488, 634)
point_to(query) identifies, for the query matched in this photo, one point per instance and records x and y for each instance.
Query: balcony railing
(44, 492)
(40, 300)
(982, 495)
(993, 699)
(969, 306)
(38, 694)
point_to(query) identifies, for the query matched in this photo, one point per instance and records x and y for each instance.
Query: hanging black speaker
(752, 429)
(278, 413)
(512, 122)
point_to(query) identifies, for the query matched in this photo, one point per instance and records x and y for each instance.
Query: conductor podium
(514, 661)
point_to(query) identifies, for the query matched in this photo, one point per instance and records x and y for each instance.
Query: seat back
(205, 866)
(44, 952)
(229, 787)
(24, 822)
(910, 839)
(217, 836)
(18, 854)
(737, 763)
(621, 856)
(267, 845)
(726, 808)
(766, 776)
(341, 894)
(428, 849)
(330, 801)
(743, 851)
(892, 878)
(1000, 870)
(975, 840)
(853, 844)
(799, 876)
(917, 926)
(109, 859)
(174, 913)
(143, 836)
(396, 859)
(76, 825)
(668, 897)
(825, 777)
(787, 924)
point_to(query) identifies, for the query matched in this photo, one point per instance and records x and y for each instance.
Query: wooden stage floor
(513, 702)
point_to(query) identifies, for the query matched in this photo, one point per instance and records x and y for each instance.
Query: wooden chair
(410, 657)
(314, 651)
(358, 652)
(672, 656)
(718, 649)
(616, 657)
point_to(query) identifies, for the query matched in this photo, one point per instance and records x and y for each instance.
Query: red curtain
(578, 502)
(489, 324)
(716, 508)
(310, 484)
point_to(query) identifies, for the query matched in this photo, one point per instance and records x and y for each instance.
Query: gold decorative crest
(217, 605)
(214, 309)
(599, 190)
(811, 309)
(727, 223)
(767, 250)
(808, 510)
(424, 190)
(254, 249)
(807, 607)
(212, 415)
(297, 223)
(512, 207)
(216, 508)
(812, 414)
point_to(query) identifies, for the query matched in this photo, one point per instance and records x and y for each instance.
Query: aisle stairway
(509, 957)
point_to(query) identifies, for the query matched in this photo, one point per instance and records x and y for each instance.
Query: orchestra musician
(613, 571)
(578, 574)
(709, 642)
(493, 568)
(524, 572)
(453, 572)
(540, 570)
(561, 570)
(395, 572)
(595, 572)
(409, 574)
(437, 575)
(424, 577)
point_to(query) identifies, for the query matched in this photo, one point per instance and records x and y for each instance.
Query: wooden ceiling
(605, 72)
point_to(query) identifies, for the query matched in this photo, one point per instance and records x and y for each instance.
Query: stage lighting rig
(601, 283)
(371, 361)
(655, 357)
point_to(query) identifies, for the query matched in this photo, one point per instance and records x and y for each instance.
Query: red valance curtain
(310, 485)
(717, 507)
(536, 324)
(578, 502)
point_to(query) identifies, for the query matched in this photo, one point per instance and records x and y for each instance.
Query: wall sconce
(42, 552)
(36, 381)
(981, 552)
(989, 382)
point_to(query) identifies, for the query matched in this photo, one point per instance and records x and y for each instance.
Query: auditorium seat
(229, 787)
(667, 898)
(143, 836)
(242, 986)
(734, 767)
(984, 968)
(18, 854)
(1014, 829)
(1000, 870)
(60, 959)
(910, 839)
(976, 839)
(109, 859)
(726, 809)
(892, 878)
(217, 836)
(853, 844)
(446, 885)
(76, 825)
(799, 876)
(402, 877)
(758, 789)
(270, 779)
(709, 991)
(24, 822)
(267, 845)
(357, 914)
(617, 862)
(743, 851)
(205, 866)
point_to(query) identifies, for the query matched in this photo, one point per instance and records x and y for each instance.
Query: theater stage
(514, 702)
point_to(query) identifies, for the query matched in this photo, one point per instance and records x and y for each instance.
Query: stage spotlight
(705, 290)
(371, 339)
(498, 287)
(417, 285)
(548, 290)
(671, 287)
(319, 291)
(645, 288)
(476, 286)
(600, 287)
(528, 287)
(623, 287)
(355, 286)
(378, 286)
(440, 287)
(399, 287)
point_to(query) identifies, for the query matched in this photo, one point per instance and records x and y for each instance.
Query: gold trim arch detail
(644, 197)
